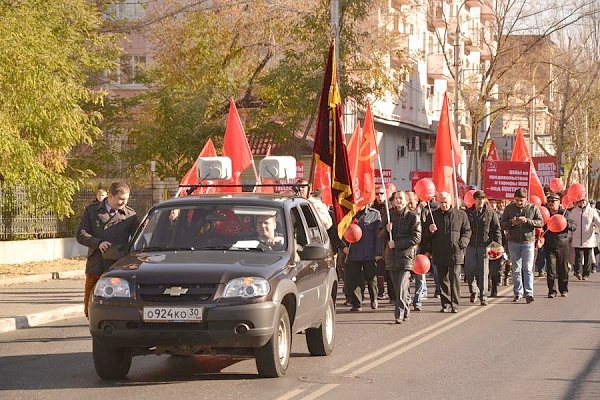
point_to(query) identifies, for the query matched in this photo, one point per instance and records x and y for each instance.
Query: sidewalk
(33, 300)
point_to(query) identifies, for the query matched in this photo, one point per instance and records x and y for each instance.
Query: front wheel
(111, 362)
(273, 358)
(320, 340)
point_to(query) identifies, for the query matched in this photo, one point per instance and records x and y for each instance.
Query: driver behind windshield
(268, 238)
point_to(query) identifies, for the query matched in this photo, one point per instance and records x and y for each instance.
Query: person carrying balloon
(450, 234)
(363, 255)
(556, 245)
(405, 229)
(485, 229)
(583, 239)
(520, 219)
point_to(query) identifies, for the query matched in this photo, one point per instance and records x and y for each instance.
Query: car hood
(198, 266)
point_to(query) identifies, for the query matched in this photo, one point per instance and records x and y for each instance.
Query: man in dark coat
(556, 249)
(362, 258)
(450, 234)
(105, 228)
(485, 229)
(406, 236)
(520, 220)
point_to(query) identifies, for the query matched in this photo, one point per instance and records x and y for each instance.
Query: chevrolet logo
(175, 291)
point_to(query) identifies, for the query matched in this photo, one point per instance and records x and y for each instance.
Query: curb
(17, 280)
(27, 321)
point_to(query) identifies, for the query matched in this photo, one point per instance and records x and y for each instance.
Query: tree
(47, 52)
(268, 56)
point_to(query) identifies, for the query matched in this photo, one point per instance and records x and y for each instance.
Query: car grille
(195, 293)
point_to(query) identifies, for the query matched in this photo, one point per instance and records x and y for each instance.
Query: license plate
(173, 314)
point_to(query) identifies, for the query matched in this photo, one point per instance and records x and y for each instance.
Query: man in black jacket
(556, 247)
(485, 229)
(520, 220)
(450, 234)
(406, 236)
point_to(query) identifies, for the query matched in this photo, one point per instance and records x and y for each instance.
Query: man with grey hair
(450, 235)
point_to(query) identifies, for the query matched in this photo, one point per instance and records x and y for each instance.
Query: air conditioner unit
(214, 168)
(415, 143)
(282, 167)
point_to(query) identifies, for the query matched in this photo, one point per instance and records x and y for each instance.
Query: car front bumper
(222, 327)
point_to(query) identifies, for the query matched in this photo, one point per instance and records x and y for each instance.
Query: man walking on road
(520, 220)
(450, 234)
(556, 249)
(485, 229)
(105, 228)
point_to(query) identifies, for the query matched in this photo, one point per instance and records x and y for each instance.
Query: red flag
(330, 147)
(492, 154)
(191, 177)
(236, 147)
(445, 144)
(322, 182)
(520, 152)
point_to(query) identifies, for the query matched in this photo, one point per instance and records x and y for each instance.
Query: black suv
(218, 274)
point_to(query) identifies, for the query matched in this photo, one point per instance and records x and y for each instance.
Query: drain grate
(333, 379)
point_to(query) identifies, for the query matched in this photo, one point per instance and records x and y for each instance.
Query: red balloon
(390, 188)
(468, 199)
(425, 189)
(535, 200)
(576, 192)
(422, 264)
(545, 213)
(353, 233)
(557, 223)
(566, 201)
(556, 185)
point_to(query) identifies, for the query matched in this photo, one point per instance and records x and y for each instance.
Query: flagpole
(387, 205)
(454, 177)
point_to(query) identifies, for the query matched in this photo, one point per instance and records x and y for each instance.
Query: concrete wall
(22, 251)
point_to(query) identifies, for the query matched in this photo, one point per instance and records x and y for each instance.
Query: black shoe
(398, 320)
(484, 302)
(576, 275)
(529, 299)
(551, 295)
(473, 297)
(454, 310)
(436, 295)
(445, 309)
(417, 308)
(356, 309)
(517, 298)
(585, 278)
(564, 294)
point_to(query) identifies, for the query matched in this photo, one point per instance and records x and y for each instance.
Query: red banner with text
(502, 178)
(546, 168)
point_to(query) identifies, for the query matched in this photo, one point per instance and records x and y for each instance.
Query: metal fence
(20, 221)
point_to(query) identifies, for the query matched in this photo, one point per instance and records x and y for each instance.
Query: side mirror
(314, 251)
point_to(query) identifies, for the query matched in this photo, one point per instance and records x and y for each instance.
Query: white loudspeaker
(214, 168)
(282, 167)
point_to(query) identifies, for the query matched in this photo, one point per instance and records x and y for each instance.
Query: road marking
(414, 340)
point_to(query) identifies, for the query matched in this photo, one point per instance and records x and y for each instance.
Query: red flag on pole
(520, 152)
(362, 153)
(322, 182)
(330, 147)
(492, 154)
(191, 177)
(236, 147)
(444, 165)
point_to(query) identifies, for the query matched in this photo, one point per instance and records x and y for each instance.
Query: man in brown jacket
(105, 228)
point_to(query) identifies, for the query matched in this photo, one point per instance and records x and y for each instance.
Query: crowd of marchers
(489, 244)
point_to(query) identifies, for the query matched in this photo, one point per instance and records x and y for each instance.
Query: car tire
(320, 340)
(273, 358)
(111, 362)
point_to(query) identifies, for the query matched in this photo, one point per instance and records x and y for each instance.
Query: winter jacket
(585, 219)
(523, 233)
(406, 234)
(369, 246)
(485, 226)
(452, 237)
(554, 240)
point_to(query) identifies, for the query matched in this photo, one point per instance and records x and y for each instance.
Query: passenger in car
(268, 238)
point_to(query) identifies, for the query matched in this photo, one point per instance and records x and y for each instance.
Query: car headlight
(247, 287)
(112, 287)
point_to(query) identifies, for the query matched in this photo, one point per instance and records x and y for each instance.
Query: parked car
(218, 274)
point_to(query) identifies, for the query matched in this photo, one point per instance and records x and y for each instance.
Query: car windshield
(212, 227)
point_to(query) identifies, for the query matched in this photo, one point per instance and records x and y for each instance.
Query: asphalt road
(546, 350)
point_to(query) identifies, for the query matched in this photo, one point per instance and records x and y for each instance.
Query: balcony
(487, 13)
(473, 3)
(473, 42)
(438, 16)
(437, 68)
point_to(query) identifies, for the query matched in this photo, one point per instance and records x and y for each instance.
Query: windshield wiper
(165, 248)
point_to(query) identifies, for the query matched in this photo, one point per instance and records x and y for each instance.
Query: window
(126, 10)
(128, 70)
(314, 233)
